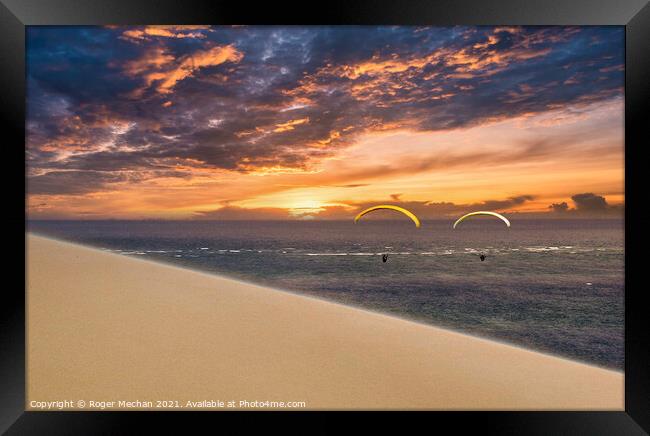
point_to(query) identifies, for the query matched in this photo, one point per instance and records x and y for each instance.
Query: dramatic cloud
(120, 106)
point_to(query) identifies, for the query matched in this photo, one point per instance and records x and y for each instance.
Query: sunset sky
(182, 122)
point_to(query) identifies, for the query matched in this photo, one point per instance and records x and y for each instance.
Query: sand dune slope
(105, 327)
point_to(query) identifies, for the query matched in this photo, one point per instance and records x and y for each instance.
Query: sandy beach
(104, 328)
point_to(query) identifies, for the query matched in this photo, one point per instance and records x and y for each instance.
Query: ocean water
(555, 286)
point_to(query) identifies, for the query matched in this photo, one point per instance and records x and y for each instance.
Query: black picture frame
(16, 14)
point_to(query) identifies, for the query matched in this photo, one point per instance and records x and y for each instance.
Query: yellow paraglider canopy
(391, 207)
(498, 215)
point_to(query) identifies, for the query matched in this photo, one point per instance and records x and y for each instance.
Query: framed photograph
(371, 206)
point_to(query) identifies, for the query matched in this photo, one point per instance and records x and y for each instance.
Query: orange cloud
(378, 66)
(169, 71)
(206, 58)
(155, 58)
(165, 32)
(289, 125)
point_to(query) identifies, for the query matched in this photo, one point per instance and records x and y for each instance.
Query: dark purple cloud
(587, 204)
(559, 207)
